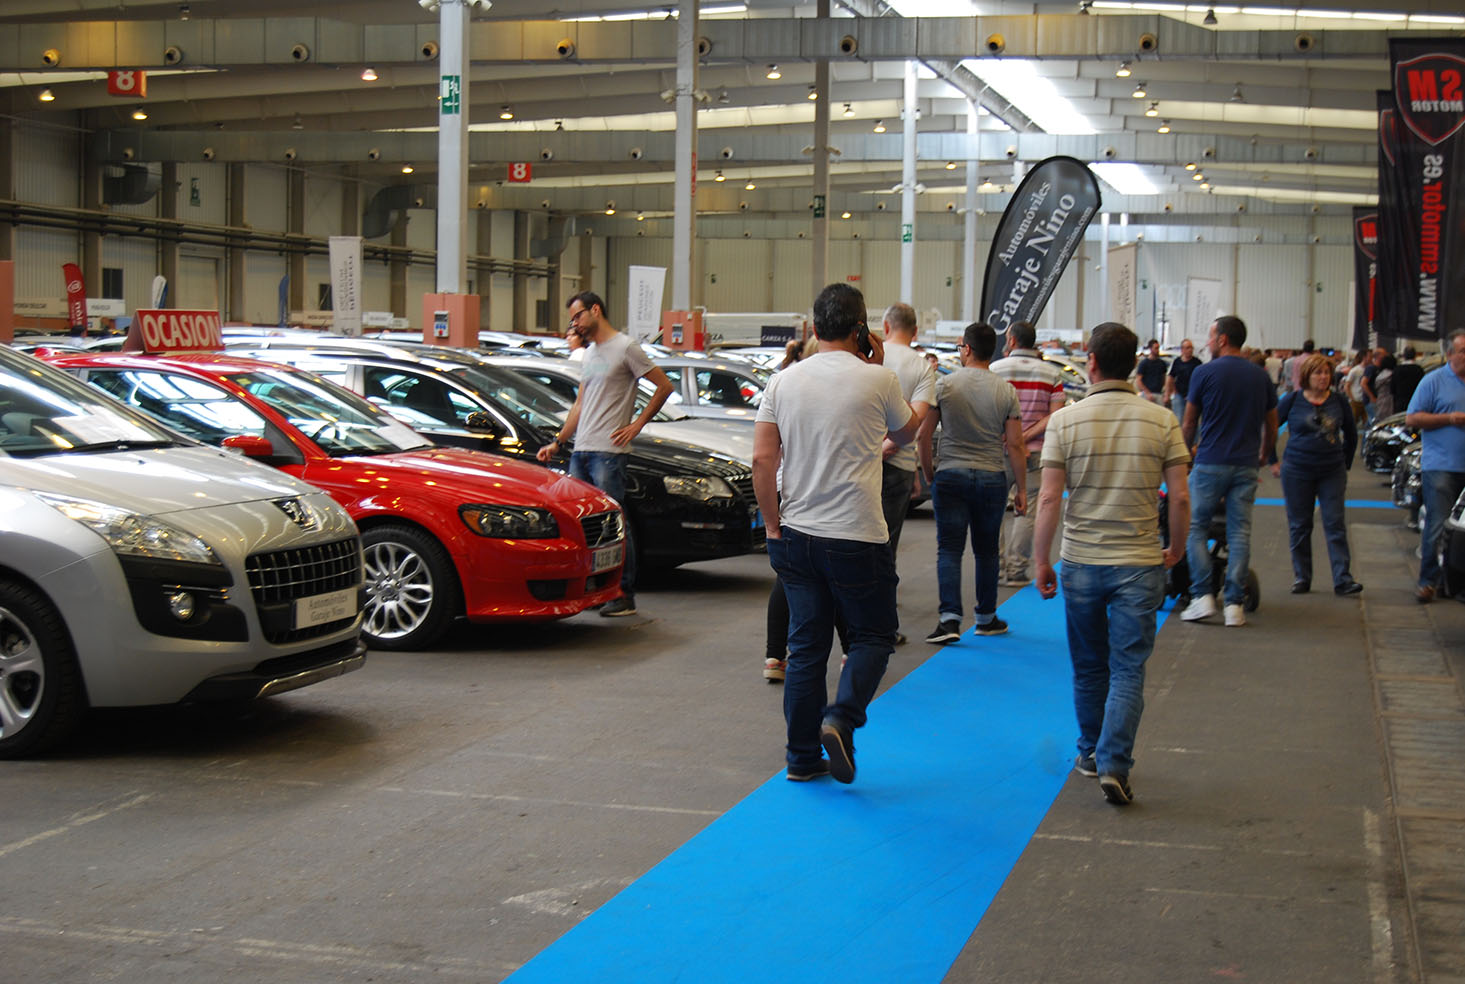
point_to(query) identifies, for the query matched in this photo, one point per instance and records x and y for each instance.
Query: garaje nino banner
(1365, 276)
(1043, 225)
(1429, 97)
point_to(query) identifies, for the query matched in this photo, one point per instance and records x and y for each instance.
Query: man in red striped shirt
(1039, 386)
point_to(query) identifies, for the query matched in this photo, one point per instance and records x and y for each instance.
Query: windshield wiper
(121, 445)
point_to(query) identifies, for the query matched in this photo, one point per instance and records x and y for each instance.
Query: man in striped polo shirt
(1039, 386)
(1111, 451)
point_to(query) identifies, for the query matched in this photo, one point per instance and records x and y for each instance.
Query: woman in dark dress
(1321, 437)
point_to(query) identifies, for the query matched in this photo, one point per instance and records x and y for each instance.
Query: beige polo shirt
(1114, 448)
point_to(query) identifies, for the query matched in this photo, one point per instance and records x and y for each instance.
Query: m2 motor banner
(1043, 225)
(1365, 277)
(1429, 174)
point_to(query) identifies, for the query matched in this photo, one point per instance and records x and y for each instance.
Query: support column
(91, 241)
(908, 190)
(452, 148)
(397, 272)
(523, 309)
(684, 207)
(168, 241)
(7, 185)
(587, 264)
(554, 296)
(295, 226)
(972, 275)
(350, 202)
(819, 232)
(234, 255)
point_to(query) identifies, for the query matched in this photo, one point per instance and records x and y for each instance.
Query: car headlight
(510, 522)
(133, 534)
(703, 488)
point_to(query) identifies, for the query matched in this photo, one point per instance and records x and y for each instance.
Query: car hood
(154, 481)
(472, 476)
(660, 454)
(732, 438)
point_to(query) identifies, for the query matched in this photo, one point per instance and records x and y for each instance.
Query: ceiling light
(368, 74)
(406, 168)
(1154, 109)
(951, 165)
(879, 126)
(1164, 127)
(720, 178)
(183, 11)
(724, 97)
(1210, 18)
(813, 93)
(844, 215)
(139, 114)
(750, 185)
(505, 113)
(773, 73)
(610, 210)
(1190, 166)
(1197, 176)
(1139, 91)
(848, 111)
(1236, 95)
(46, 96)
(1122, 72)
(640, 216)
(1205, 186)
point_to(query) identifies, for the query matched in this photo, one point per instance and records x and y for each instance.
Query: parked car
(1452, 549)
(1383, 442)
(684, 502)
(446, 531)
(140, 567)
(1406, 483)
(710, 387)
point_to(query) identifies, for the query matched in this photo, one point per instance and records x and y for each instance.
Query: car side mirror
(250, 445)
(482, 420)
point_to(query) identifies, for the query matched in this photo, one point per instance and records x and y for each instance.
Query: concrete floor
(452, 813)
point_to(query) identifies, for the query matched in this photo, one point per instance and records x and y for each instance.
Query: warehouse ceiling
(1270, 111)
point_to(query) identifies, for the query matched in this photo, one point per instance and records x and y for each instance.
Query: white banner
(1124, 285)
(643, 301)
(346, 283)
(1202, 306)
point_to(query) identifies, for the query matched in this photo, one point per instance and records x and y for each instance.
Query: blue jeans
(965, 497)
(822, 577)
(1439, 490)
(1111, 632)
(1209, 486)
(606, 471)
(1300, 488)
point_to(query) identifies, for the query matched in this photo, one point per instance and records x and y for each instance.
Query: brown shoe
(1425, 595)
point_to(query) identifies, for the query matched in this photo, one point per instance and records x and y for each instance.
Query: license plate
(322, 608)
(606, 557)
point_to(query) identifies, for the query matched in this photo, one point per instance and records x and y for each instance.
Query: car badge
(297, 512)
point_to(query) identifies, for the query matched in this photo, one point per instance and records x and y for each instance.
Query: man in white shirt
(826, 419)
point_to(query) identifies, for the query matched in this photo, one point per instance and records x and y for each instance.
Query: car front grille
(742, 482)
(603, 529)
(277, 580)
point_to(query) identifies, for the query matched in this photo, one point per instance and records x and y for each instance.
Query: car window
(425, 397)
(675, 375)
(43, 411)
(337, 420)
(202, 410)
(525, 399)
(724, 389)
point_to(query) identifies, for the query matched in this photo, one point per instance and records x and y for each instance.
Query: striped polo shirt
(1114, 448)
(1037, 381)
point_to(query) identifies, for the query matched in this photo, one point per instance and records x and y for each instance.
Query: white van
(138, 567)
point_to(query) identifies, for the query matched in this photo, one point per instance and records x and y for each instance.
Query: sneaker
(774, 669)
(1201, 606)
(835, 738)
(900, 639)
(1085, 765)
(948, 631)
(616, 607)
(1116, 789)
(806, 773)
(1301, 586)
(1424, 595)
(1235, 615)
(1347, 588)
(994, 627)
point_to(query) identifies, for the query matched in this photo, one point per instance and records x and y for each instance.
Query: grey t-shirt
(608, 391)
(917, 385)
(975, 406)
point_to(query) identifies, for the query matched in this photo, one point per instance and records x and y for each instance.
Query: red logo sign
(75, 295)
(1430, 93)
(520, 173)
(1366, 234)
(164, 332)
(128, 83)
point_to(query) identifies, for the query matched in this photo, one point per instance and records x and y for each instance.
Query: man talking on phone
(825, 420)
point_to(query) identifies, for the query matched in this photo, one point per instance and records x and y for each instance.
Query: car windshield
(43, 411)
(339, 421)
(531, 403)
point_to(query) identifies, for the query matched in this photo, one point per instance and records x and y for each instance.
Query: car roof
(200, 361)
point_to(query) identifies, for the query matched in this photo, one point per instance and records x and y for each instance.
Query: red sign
(1431, 96)
(128, 83)
(520, 173)
(75, 295)
(166, 332)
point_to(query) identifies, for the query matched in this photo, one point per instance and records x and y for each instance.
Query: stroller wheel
(1253, 596)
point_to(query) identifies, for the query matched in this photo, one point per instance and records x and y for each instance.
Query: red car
(445, 531)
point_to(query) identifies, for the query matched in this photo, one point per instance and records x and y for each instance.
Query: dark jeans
(776, 646)
(607, 472)
(824, 577)
(966, 498)
(1301, 487)
(1439, 490)
(896, 485)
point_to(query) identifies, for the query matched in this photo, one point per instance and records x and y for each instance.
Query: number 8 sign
(520, 173)
(127, 83)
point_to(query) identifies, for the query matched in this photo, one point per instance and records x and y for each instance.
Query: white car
(139, 567)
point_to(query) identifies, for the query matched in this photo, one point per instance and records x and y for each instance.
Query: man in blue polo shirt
(1234, 403)
(1437, 409)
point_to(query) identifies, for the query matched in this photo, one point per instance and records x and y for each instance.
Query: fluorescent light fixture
(773, 73)
(368, 74)
(1127, 179)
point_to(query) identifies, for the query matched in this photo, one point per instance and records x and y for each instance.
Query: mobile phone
(862, 341)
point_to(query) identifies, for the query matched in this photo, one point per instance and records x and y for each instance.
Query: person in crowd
(1273, 367)
(1294, 365)
(1177, 381)
(1110, 451)
(1234, 407)
(1437, 410)
(1353, 387)
(1407, 375)
(1370, 373)
(601, 417)
(980, 415)
(1039, 386)
(1150, 374)
(826, 419)
(1383, 386)
(577, 346)
(1321, 439)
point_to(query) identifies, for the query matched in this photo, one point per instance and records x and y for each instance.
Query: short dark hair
(1409, 352)
(1114, 349)
(588, 299)
(1307, 346)
(981, 339)
(838, 311)
(1024, 334)
(1233, 329)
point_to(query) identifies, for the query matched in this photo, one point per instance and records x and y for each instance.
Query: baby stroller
(1177, 578)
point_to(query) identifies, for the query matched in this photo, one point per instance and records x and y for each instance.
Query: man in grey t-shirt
(978, 412)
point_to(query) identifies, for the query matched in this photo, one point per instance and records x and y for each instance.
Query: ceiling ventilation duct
(387, 206)
(131, 184)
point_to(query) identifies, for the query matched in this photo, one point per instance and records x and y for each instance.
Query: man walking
(1150, 376)
(826, 419)
(979, 413)
(1235, 406)
(1177, 381)
(601, 416)
(1039, 386)
(1110, 451)
(1437, 409)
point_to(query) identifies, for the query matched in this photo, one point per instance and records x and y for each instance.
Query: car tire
(41, 693)
(411, 588)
